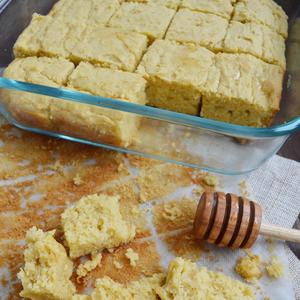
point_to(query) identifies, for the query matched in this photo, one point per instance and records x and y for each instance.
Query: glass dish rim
(154, 113)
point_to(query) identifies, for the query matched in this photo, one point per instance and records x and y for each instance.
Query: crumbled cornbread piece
(144, 288)
(221, 8)
(211, 180)
(175, 75)
(132, 256)
(198, 28)
(47, 268)
(243, 189)
(95, 223)
(242, 89)
(269, 14)
(152, 20)
(110, 48)
(168, 3)
(106, 125)
(33, 109)
(275, 268)
(185, 280)
(117, 264)
(80, 297)
(90, 12)
(256, 39)
(249, 267)
(77, 180)
(171, 211)
(89, 265)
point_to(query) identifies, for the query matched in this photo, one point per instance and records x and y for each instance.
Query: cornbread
(33, 109)
(242, 89)
(168, 3)
(95, 223)
(249, 267)
(47, 268)
(256, 39)
(184, 280)
(275, 268)
(89, 265)
(96, 123)
(222, 8)
(266, 12)
(132, 256)
(151, 20)
(198, 28)
(175, 75)
(110, 48)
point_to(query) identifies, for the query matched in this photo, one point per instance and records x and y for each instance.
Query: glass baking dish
(173, 137)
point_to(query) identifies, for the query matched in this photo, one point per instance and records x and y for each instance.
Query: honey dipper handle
(291, 235)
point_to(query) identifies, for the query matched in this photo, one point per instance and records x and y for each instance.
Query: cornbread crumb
(118, 265)
(198, 28)
(47, 268)
(81, 297)
(176, 78)
(95, 223)
(151, 20)
(249, 267)
(211, 180)
(89, 265)
(185, 280)
(171, 211)
(275, 268)
(132, 256)
(77, 180)
(244, 189)
(57, 166)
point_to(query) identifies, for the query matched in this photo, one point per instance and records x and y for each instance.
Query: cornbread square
(168, 3)
(110, 47)
(175, 75)
(256, 39)
(185, 280)
(151, 20)
(28, 108)
(95, 223)
(242, 89)
(222, 8)
(47, 268)
(96, 123)
(198, 28)
(89, 11)
(265, 12)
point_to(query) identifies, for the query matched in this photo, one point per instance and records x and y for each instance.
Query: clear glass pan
(166, 135)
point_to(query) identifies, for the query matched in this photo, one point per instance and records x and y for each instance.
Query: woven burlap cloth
(276, 186)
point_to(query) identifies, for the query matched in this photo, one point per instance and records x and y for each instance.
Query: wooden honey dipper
(227, 220)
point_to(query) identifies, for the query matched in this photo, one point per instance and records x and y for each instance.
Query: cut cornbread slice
(186, 281)
(106, 288)
(175, 75)
(265, 12)
(109, 47)
(47, 268)
(256, 39)
(95, 223)
(198, 28)
(168, 3)
(96, 123)
(222, 8)
(90, 11)
(152, 20)
(28, 108)
(242, 89)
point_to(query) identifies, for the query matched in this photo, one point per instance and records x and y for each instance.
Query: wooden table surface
(291, 149)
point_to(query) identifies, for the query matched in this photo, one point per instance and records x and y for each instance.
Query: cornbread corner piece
(89, 11)
(96, 123)
(175, 75)
(106, 288)
(28, 108)
(151, 20)
(256, 39)
(198, 28)
(222, 8)
(95, 223)
(47, 268)
(186, 281)
(265, 12)
(168, 3)
(243, 90)
(110, 48)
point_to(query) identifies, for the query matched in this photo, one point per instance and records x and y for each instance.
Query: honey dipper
(227, 220)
